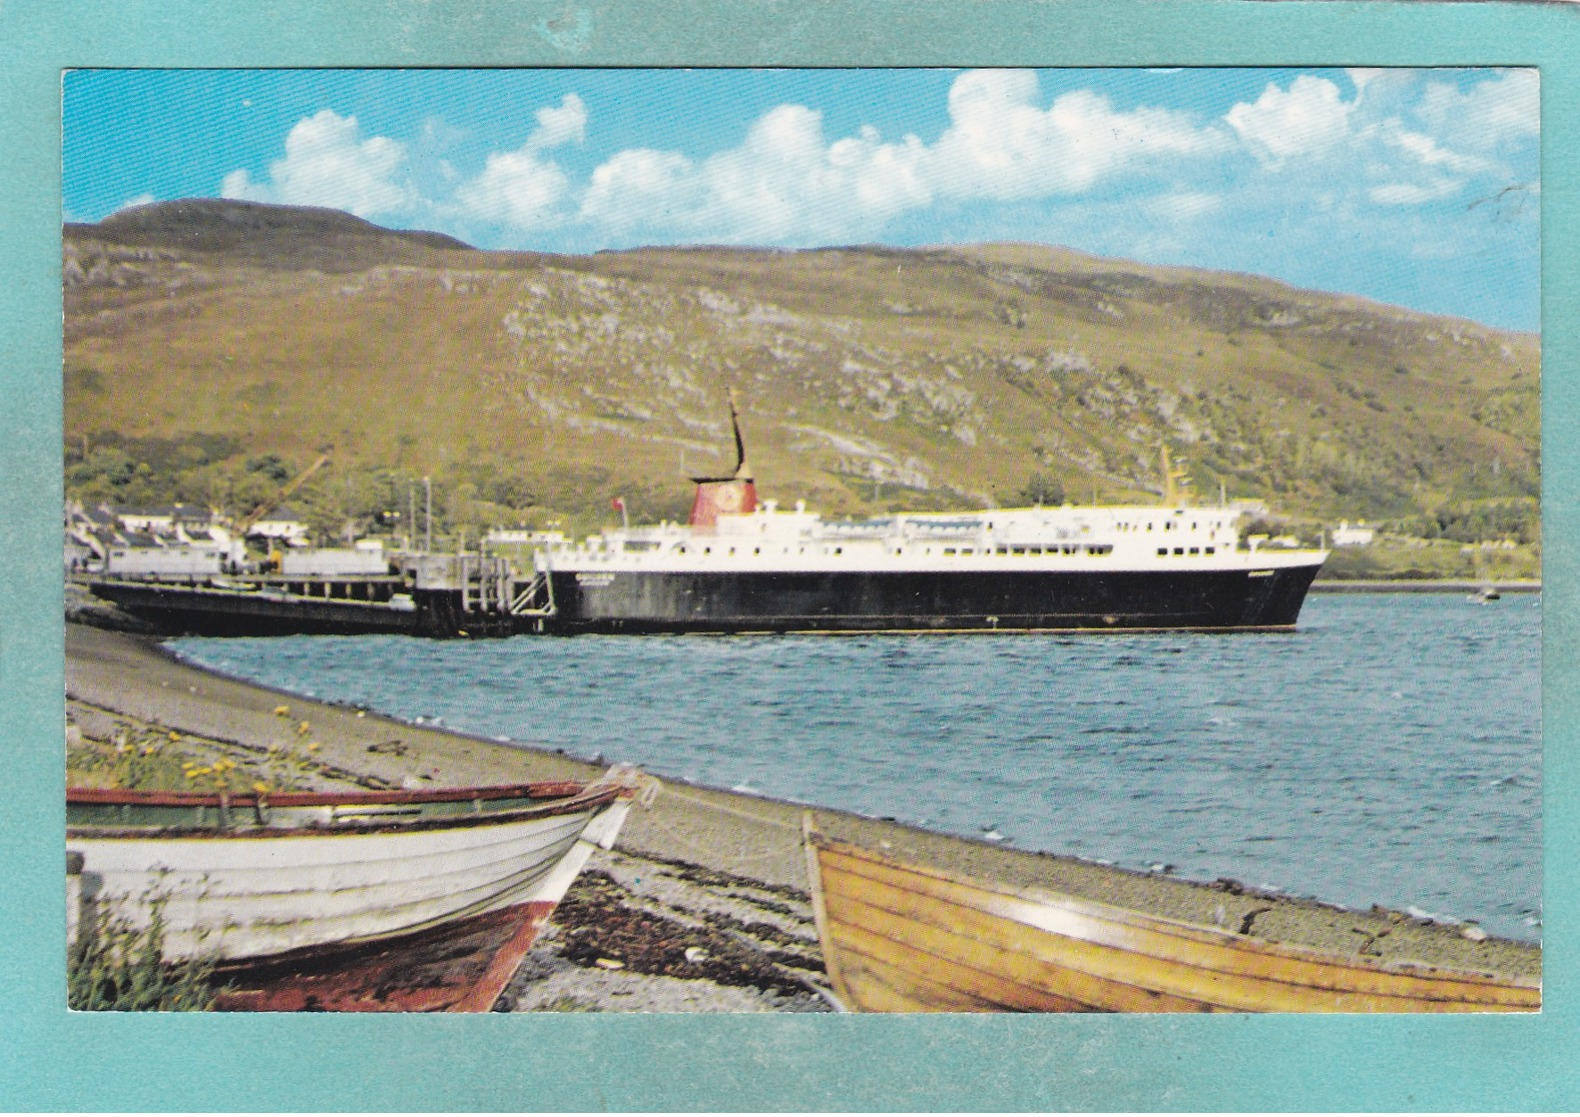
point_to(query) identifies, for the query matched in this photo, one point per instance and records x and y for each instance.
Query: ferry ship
(744, 565)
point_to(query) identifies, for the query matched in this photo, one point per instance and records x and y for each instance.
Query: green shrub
(116, 967)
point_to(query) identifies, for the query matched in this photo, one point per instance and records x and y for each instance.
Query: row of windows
(1192, 550)
(1168, 525)
(1054, 549)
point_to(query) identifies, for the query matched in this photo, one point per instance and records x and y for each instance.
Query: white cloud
(1490, 115)
(517, 188)
(1413, 194)
(1001, 145)
(787, 181)
(641, 187)
(328, 163)
(522, 188)
(1310, 118)
(556, 126)
(139, 200)
(1383, 85)
(1363, 76)
(1431, 154)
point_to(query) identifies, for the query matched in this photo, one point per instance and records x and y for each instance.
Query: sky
(1418, 187)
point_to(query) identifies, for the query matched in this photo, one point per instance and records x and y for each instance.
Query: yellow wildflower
(260, 787)
(282, 711)
(312, 746)
(174, 736)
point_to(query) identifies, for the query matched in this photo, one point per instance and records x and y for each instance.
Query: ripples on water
(1388, 751)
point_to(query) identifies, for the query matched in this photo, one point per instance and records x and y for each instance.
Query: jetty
(463, 594)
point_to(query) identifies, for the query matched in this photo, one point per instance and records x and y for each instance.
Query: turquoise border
(51, 1060)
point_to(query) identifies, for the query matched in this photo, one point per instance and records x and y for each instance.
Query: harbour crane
(245, 524)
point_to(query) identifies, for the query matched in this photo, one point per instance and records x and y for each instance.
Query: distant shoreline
(1417, 585)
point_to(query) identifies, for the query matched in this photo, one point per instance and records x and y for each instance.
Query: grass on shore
(114, 966)
(154, 758)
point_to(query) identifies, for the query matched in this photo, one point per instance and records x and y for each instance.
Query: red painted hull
(460, 967)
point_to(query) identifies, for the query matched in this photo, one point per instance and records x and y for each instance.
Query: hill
(267, 236)
(213, 347)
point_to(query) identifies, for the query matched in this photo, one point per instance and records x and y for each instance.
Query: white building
(163, 520)
(283, 526)
(1352, 535)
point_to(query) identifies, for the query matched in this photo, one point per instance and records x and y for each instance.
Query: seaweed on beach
(693, 873)
(599, 928)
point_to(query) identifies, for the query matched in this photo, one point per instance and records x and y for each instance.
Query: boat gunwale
(1127, 917)
(142, 797)
(583, 800)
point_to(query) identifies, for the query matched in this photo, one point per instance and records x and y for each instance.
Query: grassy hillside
(213, 347)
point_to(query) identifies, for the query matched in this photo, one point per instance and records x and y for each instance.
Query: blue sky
(1415, 187)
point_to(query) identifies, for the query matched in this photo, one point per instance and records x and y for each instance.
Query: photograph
(792, 540)
(687, 556)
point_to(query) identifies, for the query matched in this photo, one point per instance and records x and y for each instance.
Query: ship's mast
(743, 472)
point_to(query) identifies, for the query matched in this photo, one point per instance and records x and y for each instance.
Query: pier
(428, 594)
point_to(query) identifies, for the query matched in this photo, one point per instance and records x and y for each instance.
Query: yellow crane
(244, 525)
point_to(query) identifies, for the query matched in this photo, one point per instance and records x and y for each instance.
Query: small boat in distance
(352, 902)
(743, 565)
(903, 938)
(1485, 594)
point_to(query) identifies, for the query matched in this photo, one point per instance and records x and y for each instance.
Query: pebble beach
(703, 904)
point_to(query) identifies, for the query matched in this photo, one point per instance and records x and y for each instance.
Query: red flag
(618, 504)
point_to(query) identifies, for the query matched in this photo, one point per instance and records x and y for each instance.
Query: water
(1389, 751)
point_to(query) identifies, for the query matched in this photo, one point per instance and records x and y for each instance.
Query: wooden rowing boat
(357, 901)
(903, 938)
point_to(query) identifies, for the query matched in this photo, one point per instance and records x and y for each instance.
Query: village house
(1352, 535)
(282, 525)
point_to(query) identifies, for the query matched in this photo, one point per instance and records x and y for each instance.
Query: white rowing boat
(300, 883)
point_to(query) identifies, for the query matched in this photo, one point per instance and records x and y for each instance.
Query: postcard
(769, 560)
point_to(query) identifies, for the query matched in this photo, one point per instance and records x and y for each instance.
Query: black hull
(870, 601)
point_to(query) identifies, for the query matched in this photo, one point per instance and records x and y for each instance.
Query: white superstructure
(1067, 538)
